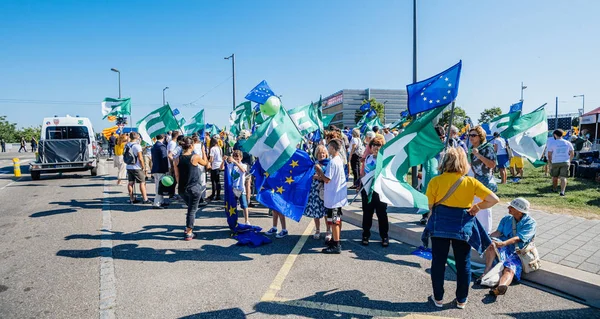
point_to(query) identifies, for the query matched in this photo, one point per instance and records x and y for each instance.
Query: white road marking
(108, 289)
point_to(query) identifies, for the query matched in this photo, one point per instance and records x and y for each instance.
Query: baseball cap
(520, 204)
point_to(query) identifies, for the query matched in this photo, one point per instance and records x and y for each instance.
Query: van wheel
(94, 171)
(35, 176)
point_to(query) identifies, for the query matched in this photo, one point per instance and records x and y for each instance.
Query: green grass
(582, 195)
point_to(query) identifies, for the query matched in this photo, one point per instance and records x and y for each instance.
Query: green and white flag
(418, 143)
(116, 107)
(195, 125)
(159, 121)
(274, 142)
(326, 119)
(528, 135)
(502, 122)
(240, 117)
(306, 118)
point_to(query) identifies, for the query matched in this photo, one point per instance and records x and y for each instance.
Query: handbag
(492, 277)
(530, 258)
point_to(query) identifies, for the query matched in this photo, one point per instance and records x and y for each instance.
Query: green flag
(502, 122)
(196, 124)
(274, 142)
(159, 121)
(418, 143)
(327, 119)
(528, 134)
(240, 117)
(306, 118)
(116, 107)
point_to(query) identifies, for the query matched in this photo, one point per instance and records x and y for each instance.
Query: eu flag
(404, 114)
(176, 112)
(365, 107)
(438, 90)
(286, 191)
(230, 200)
(517, 107)
(260, 93)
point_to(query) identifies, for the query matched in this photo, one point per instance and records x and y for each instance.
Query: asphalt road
(72, 247)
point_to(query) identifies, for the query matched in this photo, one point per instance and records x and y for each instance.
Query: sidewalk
(569, 246)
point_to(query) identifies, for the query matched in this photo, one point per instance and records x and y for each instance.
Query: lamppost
(166, 87)
(414, 171)
(523, 87)
(119, 72)
(582, 96)
(232, 57)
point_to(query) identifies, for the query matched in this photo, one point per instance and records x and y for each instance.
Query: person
(516, 165)
(387, 134)
(112, 140)
(368, 137)
(455, 139)
(215, 158)
(168, 138)
(506, 241)
(238, 171)
(501, 155)
(315, 207)
(451, 220)
(246, 159)
(335, 193)
(160, 167)
(188, 182)
(375, 205)
(377, 132)
(148, 160)
(356, 150)
(34, 144)
(560, 155)
(23, 145)
(3, 144)
(172, 148)
(273, 231)
(483, 161)
(118, 162)
(199, 150)
(136, 171)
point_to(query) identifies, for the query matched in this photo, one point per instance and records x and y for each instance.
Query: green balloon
(271, 106)
(167, 181)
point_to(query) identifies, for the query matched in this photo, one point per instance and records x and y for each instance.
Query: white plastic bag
(492, 278)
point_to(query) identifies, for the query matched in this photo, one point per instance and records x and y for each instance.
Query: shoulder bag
(450, 191)
(530, 258)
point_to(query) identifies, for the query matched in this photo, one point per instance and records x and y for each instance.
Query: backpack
(360, 149)
(128, 156)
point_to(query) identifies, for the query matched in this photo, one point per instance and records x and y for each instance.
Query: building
(344, 104)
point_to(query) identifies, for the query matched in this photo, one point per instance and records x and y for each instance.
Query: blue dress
(526, 229)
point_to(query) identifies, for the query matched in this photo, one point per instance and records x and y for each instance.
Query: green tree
(7, 130)
(379, 107)
(29, 132)
(488, 114)
(458, 120)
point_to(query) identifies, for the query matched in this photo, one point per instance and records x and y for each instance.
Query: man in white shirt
(136, 169)
(501, 155)
(560, 154)
(387, 134)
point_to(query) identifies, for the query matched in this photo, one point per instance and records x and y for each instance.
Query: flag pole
(170, 109)
(450, 125)
(539, 107)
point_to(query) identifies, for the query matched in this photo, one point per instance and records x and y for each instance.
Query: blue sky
(56, 56)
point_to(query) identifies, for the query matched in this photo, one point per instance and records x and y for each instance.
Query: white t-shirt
(215, 153)
(336, 191)
(354, 141)
(237, 177)
(171, 147)
(560, 151)
(135, 149)
(501, 143)
(389, 136)
(198, 149)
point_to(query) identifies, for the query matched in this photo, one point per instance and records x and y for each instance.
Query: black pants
(355, 164)
(23, 148)
(111, 149)
(462, 255)
(378, 207)
(215, 183)
(191, 196)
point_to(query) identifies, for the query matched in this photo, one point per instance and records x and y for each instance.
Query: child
(273, 230)
(238, 176)
(335, 193)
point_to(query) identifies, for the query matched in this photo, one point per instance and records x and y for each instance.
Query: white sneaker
(317, 235)
(271, 231)
(328, 236)
(282, 233)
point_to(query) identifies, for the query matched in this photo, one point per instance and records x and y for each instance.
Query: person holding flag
(483, 162)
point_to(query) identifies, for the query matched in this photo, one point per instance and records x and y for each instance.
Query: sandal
(500, 290)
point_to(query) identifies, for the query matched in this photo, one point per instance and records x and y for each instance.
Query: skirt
(511, 261)
(315, 207)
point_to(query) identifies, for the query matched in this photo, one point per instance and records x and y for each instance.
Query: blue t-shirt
(525, 230)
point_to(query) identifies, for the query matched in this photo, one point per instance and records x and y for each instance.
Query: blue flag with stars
(286, 191)
(517, 107)
(371, 114)
(404, 114)
(260, 93)
(438, 90)
(365, 107)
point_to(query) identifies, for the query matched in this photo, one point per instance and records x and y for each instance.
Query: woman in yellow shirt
(118, 158)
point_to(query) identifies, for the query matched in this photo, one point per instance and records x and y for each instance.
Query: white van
(67, 144)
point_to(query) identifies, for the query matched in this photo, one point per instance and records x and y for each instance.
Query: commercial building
(344, 104)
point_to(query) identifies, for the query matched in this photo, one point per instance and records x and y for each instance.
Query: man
(246, 159)
(501, 155)
(560, 154)
(160, 166)
(387, 134)
(135, 168)
(3, 143)
(172, 147)
(33, 144)
(455, 139)
(377, 132)
(516, 163)
(112, 141)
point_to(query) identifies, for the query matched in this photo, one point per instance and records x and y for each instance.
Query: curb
(580, 284)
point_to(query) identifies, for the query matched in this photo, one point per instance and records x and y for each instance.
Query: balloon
(167, 181)
(271, 106)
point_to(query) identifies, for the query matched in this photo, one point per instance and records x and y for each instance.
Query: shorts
(517, 162)
(333, 216)
(243, 201)
(502, 161)
(136, 175)
(559, 170)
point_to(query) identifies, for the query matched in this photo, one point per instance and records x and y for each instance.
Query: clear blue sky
(63, 51)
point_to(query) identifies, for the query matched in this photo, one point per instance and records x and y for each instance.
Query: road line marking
(5, 186)
(108, 289)
(287, 265)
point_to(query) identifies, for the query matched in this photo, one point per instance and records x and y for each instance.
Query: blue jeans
(462, 255)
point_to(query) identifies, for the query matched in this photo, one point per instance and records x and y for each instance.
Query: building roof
(594, 111)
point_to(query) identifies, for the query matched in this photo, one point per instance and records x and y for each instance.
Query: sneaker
(423, 220)
(271, 231)
(189, 236)
(328, 236)
(333, 249)
(562, 194)
(282, 233)
(247, 222)
(148, 201)
(202, 204)
(317, 234)
(135, 201)
(438, 304)
(461, 305)
(365, 241)
(385, 242)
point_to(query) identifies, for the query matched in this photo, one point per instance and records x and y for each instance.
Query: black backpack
(128, 156)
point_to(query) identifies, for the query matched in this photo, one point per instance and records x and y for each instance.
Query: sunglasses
(376, 145)
(473, 135)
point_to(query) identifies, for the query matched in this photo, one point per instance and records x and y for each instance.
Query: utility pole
(232, 57)
(414, 172)
(523, 87)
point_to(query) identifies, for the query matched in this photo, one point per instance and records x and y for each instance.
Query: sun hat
(520, 204)
(244, 134)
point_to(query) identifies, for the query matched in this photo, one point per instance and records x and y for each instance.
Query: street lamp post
(119, 72)
(232, 57)
(164, 103)
(582, 107)
(414, 171)
(523, 87)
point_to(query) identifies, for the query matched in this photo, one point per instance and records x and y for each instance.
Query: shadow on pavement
(82, 185)
(170, 232)
(232, 313)
(53, 212)
(563, 313)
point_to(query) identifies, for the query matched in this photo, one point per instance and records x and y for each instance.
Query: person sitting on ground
(238, 171)
(506, 242)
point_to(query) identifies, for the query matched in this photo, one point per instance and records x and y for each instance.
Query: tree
(29, 132)
(488, 114)
(379, 108)
(458, 120)
(7, 130)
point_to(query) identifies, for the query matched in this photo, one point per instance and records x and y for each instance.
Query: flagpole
(539, 107)
(450, 125)
(170, 109)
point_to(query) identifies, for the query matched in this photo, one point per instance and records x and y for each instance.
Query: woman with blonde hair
(315, 207)
(453, 222)
(118, 161)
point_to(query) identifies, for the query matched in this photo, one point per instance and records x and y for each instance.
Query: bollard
(17, 167)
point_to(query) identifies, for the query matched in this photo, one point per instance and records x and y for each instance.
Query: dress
(315, 206)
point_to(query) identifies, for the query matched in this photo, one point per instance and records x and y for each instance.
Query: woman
(356, 146)
(199, 150)
(450, 198)
(375, 205)
(368, 137)
(216, 160)
(187, 176)
(483, 161)
(315, 207)
(515, 231)
(118, 161)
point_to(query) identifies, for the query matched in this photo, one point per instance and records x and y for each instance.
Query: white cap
(386, 126)
(520, 204)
